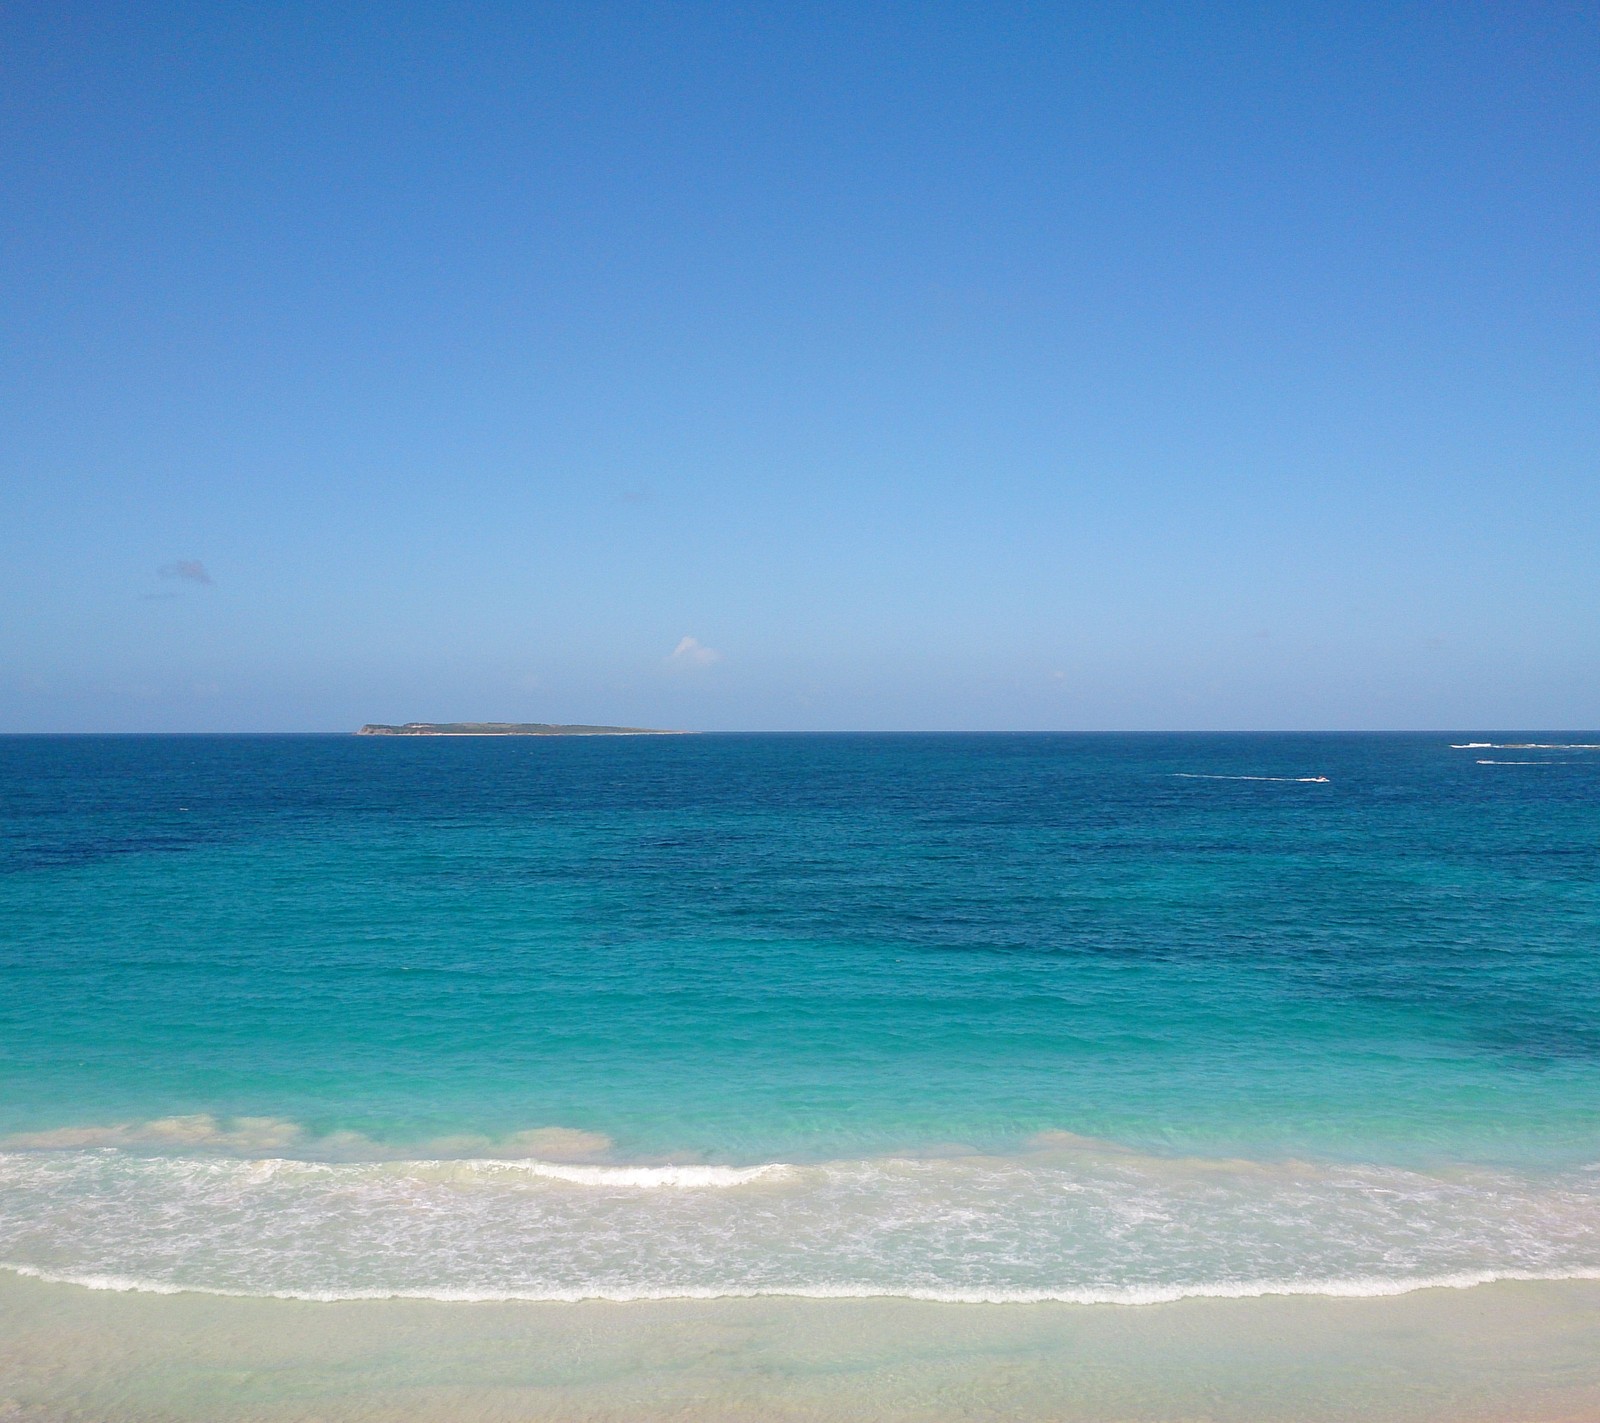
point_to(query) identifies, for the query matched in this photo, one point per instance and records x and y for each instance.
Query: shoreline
(513, 735)
(1128, 1297)
(1508, 1352)
(510, 728)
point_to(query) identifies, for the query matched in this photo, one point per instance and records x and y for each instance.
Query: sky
(805, 366)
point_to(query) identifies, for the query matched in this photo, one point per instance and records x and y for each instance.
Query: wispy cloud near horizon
(691, 652)
(191, 570)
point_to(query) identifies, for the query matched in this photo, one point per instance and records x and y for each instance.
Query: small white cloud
(191, 570)
(691, 652)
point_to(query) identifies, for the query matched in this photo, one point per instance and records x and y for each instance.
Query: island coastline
(507, 728)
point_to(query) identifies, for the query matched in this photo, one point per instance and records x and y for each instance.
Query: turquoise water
(1109, 1017)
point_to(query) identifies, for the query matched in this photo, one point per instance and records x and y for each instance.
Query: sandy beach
(1512, 1353)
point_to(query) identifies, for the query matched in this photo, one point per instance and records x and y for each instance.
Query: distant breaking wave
(1525, 746)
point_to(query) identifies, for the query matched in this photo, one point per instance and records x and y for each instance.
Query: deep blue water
(831, 952)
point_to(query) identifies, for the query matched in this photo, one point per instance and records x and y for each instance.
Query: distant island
(505, 728)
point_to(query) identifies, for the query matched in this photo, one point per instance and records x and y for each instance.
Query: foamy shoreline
(1065, 1220)
(1134, 1297)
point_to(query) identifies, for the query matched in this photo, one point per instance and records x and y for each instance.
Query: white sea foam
(1068, 1218)
(654, 1177)
(1368, 1287)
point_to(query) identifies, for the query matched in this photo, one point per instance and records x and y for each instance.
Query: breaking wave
(655, 1177)
(1064, 1218)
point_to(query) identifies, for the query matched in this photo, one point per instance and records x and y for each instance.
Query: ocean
(992, 1018)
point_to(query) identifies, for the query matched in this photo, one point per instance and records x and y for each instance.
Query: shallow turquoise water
(1313, 1030)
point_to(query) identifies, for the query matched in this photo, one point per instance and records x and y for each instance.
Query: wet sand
(1508, 1352)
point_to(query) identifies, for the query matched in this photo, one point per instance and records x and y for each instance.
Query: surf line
(1525, 746)
(1352, 1287)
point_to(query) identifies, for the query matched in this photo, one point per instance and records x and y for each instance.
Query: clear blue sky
(926, 366)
